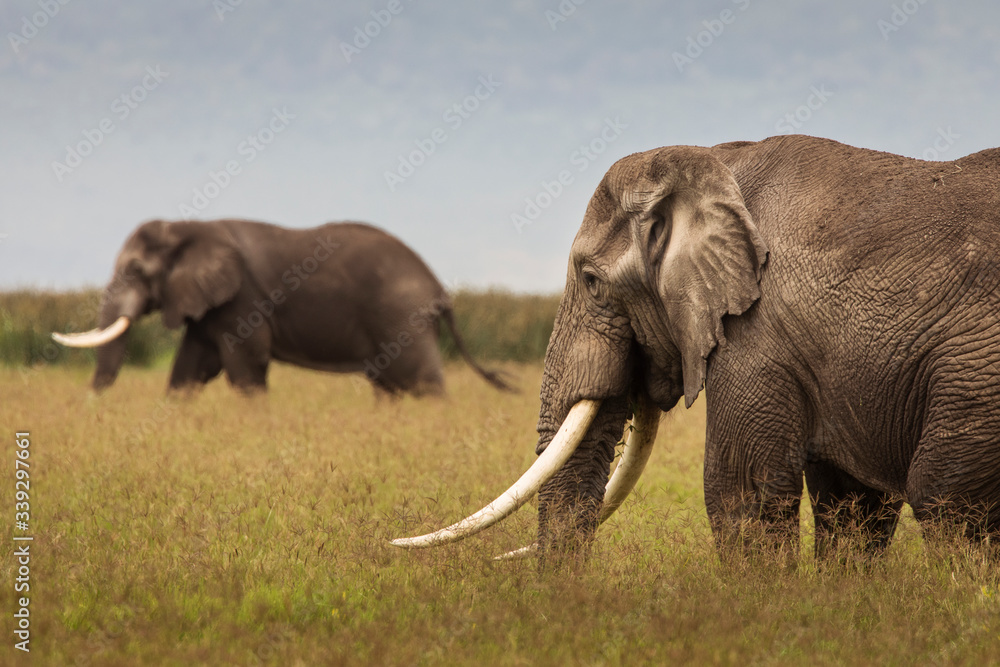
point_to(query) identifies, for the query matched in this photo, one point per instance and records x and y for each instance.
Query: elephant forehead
(634, 179)
(148, 233)
(638, 170)
(626, 189)
(130, 254)
(630, 186)
(605, 227)
(603, 241)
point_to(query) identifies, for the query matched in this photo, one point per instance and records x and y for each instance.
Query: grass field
(224, 530)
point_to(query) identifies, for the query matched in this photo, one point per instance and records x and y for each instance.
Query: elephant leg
(953, 483)
(754, 448)
(417, 369)
(384, 393)
(844, 507)
(246, 363)
(197, 361)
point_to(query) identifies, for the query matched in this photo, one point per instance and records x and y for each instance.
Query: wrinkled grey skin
(342, 297)
(842, 309)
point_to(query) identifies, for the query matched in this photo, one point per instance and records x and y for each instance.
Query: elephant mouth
(94, 337)
(638, 445)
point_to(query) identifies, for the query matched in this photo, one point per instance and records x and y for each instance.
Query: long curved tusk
(94, 337)
(638, 447)
(519, 554)
(573, 428)
(635, 455)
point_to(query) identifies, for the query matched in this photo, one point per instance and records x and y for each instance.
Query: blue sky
(444, 123)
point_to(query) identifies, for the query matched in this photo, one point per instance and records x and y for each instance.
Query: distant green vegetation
(495, 325)
(28, 318)
(502, 326)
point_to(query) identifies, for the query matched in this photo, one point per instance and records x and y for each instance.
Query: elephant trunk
(109, 338)
(117, 305)
(639, 439)
(569, 504)
(584, 407)
(584, 360)
(110, 356)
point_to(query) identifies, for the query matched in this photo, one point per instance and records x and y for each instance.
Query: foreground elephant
(841, 307)
(343, 297)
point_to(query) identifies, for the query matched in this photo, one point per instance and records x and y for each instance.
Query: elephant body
(341, 297)
(840, 306)
(872, 360)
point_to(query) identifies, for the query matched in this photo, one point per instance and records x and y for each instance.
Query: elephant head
(180, 268)
(667, 249)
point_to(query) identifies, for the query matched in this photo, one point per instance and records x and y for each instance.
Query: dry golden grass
(224, 530)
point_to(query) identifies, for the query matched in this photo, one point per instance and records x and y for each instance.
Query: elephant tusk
(94, 337)
(635, 455)
(568, 438)
(638, 447)
(519, 554)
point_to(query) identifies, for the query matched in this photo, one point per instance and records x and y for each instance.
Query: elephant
(841, 308)
(342, 297)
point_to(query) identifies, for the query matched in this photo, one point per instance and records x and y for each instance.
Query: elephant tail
(495, 378)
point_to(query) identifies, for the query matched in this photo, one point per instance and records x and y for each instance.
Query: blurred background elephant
(342, 297)
(840, 306)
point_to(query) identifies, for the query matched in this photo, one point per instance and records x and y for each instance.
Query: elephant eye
(591, 281)
(134, 272)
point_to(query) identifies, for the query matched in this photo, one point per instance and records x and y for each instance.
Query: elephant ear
(703, 252)
(205, 271)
